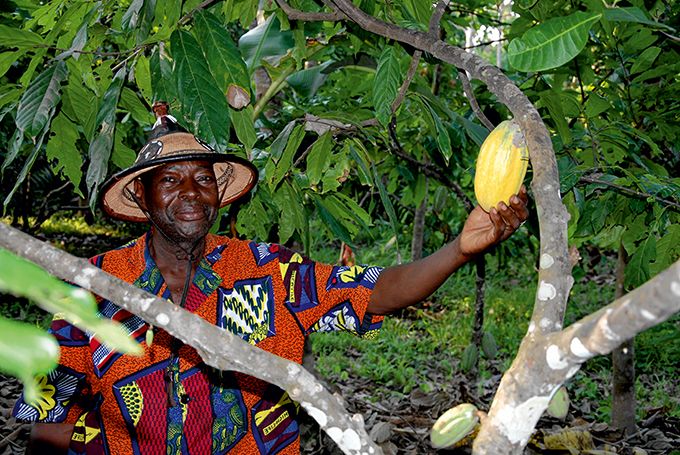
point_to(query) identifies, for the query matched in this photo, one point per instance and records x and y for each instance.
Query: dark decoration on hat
(169, 142)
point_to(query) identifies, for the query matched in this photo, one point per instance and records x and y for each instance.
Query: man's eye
(206, 178)
(167, 179)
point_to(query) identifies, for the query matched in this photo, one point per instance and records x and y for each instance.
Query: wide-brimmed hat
(169, 142)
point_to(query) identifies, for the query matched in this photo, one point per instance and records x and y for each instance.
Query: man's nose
(188, 190)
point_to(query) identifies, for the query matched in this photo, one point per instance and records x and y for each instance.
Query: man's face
(182, 199)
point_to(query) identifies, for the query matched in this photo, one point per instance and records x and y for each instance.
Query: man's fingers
(509, 216)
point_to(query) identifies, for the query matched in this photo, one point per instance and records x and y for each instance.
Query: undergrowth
(432, 337)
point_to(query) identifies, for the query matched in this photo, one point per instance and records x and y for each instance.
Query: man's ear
(139, 193)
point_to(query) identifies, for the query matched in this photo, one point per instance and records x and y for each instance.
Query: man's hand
(482, 230)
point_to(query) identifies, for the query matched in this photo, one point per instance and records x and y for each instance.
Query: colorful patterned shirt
(168, 401)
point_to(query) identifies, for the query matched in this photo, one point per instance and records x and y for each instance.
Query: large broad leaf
(292, 212)
(632, 14)
(80, 104)
(27, 352)
(40, 99)
(25, 279)
(100, 148)
(284, 164)
(223, 56)
(15, 37)
(62, 151)
(319, 157)
(143, 78)
(332, 222)
(637, 270)
(244, 127)
(386, 84)
(13, 150)
(552, 43)
(264, 41)
(307, 81)
(198, 90)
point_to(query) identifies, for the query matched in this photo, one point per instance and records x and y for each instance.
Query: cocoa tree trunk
(623, 366)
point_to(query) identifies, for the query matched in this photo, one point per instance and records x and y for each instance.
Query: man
(168, 401)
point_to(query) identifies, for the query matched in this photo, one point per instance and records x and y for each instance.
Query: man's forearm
(404, 285)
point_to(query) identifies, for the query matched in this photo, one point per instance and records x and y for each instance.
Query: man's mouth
(191, 214)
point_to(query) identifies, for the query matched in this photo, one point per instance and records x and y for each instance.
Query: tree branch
(470, 94)
(217, 347)
(626, 190)
(296, 14)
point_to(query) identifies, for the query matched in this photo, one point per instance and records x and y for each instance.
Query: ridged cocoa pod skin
(559, 404)
(454, 425)
(501, 165)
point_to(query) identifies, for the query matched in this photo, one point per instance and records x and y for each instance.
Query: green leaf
(122, 155)
(292, 214)
(645, 60)
(359, 154)
(335, 226)
(223, 56)
(389, 208)
(667, 249)
(319, 157)
(553, 102)
(23, 278)
(80, 104)
(284, 164)
(441, 134)
(99, 151)
(276, 149)
(7, 59)
(162, 77)
(62, 151)
(130, 101)
(637, 270)
(13, 37)
(199, 93)
(386, 84)
(244, 127)
(143, 78)
(595, 105)
(13, 150)
(26, 352)
(552, 43)
(28, 164)
(265, 40)
(307, 81)
(632, 14)
(40, 99)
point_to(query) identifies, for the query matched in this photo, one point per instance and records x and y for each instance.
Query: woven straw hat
(168, 143)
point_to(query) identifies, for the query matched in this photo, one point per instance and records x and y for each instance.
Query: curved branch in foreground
(217, 347)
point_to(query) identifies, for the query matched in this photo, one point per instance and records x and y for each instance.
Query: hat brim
(235, 178)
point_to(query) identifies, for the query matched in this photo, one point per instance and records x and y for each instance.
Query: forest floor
(400, 421)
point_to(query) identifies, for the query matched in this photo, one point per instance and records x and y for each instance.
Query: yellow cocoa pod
(501, 165)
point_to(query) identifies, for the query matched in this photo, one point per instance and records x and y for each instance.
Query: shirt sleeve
(64, 391)
(326, 298)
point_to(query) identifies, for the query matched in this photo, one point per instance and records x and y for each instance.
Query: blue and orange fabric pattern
(168, 401)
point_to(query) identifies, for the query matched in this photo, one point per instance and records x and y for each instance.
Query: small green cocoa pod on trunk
(454, 425)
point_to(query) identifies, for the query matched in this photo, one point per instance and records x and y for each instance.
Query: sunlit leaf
(645, 60)
(12, 37)
(386, 84)
(25, 352)
(23, 278)
(223, 56)
(552, 43)
(198, 92)
(40, 99)
(284, 164)
(143, 78)
(637, 270)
